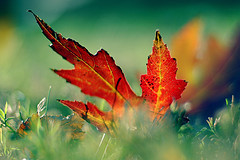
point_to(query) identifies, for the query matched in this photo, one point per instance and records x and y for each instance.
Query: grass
(173, 138)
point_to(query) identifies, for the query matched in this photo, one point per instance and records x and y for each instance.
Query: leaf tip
(158, 36)
(29, 10)
(54, 70)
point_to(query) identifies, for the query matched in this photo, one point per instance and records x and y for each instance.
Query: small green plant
(4, 119)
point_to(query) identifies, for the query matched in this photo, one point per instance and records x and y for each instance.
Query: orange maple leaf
(98, 75)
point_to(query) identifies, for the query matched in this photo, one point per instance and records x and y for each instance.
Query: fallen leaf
(26, 127)
(71, 125)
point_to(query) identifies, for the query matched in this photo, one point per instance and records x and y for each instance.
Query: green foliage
(138, 138)
(221, 139)
(4, 119)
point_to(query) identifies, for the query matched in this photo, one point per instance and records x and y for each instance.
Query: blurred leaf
(90, 113)
(6, 109)
(185, 47)
(71, 125)
(26, 126)
(210, 67)
(8, 42)
(41, 107)
(2, 115)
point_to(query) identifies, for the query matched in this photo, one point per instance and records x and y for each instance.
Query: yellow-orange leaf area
(204, 62)
(98, 75)
(160, 86)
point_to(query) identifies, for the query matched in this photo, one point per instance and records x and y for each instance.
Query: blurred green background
(124, 28)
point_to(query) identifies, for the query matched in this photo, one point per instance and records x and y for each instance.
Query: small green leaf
(226, 101)
(204, 129)
(6, 108)
(2, 115)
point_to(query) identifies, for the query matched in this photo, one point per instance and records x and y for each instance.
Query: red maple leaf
(159, 85)
(98, 75)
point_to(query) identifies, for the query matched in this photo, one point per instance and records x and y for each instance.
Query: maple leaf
(91, 71)
(159, 85)
(98, 75)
